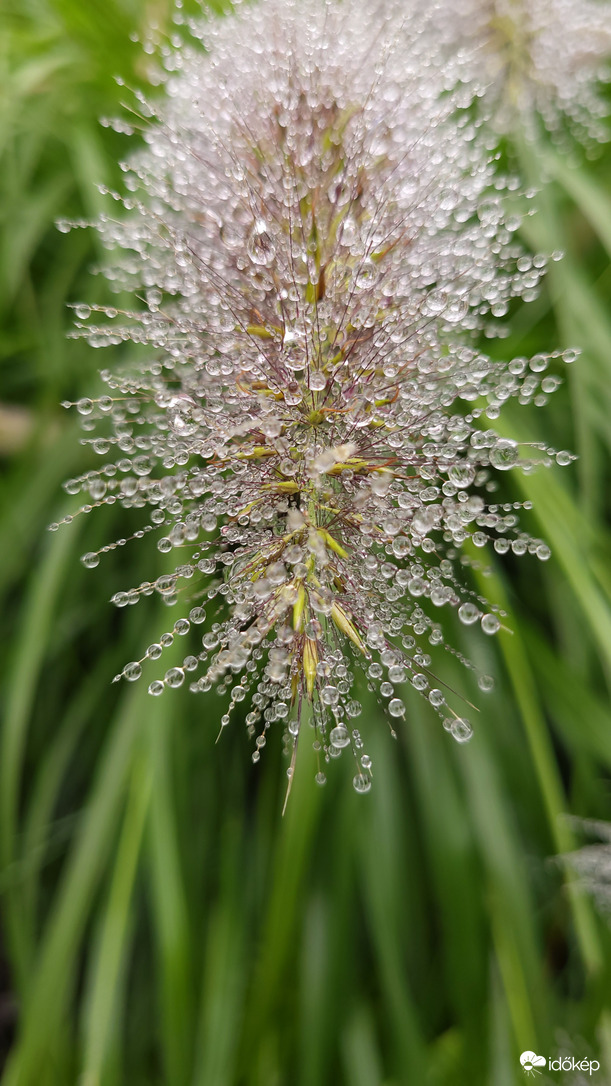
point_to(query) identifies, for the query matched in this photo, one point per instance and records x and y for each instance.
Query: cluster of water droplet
(318, 234)
(543, 60)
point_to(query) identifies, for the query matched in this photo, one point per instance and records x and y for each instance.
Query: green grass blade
(222, 1003)
(591, 199)
(170, 916)
(28, 654)
(43, 1012)
(360, 1050)
(103, 997)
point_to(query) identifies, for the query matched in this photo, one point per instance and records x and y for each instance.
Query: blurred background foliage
(161, 923)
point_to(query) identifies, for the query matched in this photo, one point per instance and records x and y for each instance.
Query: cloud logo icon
(532, 1063)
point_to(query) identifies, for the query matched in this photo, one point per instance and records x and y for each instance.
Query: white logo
(531, 1062)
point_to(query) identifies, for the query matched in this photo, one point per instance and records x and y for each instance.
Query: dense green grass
(162, 924)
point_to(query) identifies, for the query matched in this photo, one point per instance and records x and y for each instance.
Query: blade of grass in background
(44, 1008)
(103, 997)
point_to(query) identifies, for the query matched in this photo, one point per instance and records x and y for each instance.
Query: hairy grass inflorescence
(320, 235)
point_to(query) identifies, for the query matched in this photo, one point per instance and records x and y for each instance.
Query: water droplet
(260, 246)
(504, 454)
(318, 382)
(468, 613)
(396, 673)
(435, 303)
(340, 737)
(456, 311)
(174, 677)
(461, 730)
(570, 355)
(461, 475)
(490, 624)
(361, 783)
(329, 695)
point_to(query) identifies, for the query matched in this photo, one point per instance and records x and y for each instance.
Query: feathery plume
(318, 235)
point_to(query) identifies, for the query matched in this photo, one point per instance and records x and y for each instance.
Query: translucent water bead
(459, 728)
(490, 624)
(468, 613)
(339, 737)
(396, 707)
(361, 783)
(132, 671)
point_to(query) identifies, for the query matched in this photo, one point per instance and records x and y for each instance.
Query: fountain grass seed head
(318, 236)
